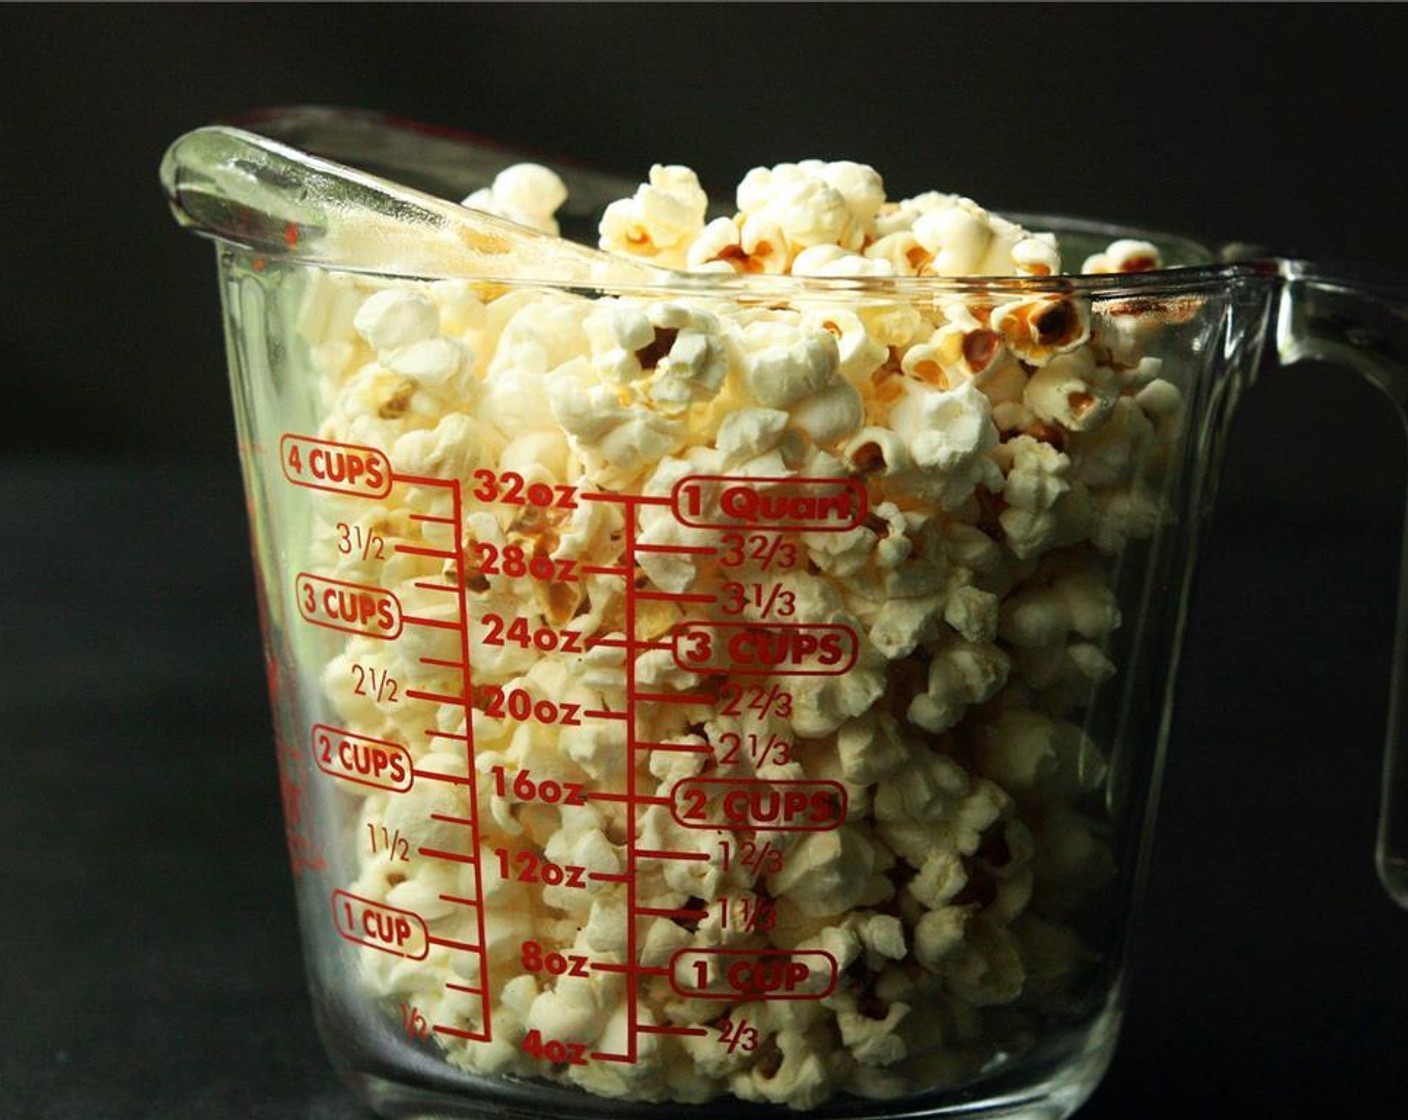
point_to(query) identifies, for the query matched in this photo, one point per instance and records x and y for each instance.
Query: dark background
(148, 958)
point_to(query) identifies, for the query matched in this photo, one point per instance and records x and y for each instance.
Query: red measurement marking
(672, 698)
(459, 901)
(652, 853)
(739, 1035)
(667, 1028)
(433, 697)
(625, 499)
(378, 926)
(795, 649)
(343, 468)
(777, 806)
(799, 505)
(453, 779)
(690, 748)
(291, 234)
(434, 623)
(675, 597)
(351, 608)
(418, 550)
(448, 819)
(737, 699)
(773, 974)
(453, 857)
(679, 549)
(768, 551)
(361, 759)
(759, 914)
(598, 713)
(660, 912)
(448, 944)
(481, 1035)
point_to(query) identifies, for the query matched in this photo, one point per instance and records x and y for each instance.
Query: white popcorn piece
(1026, 751)
(660, 220)
(1036, 330)
(948, 433)
(961, 674)
(1125, 255)
(1073, 392)
(395, 317)
(527, 193)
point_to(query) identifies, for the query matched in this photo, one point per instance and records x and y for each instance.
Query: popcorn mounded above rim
(714, 670)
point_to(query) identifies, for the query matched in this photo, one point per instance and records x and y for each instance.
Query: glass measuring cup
(812, 768)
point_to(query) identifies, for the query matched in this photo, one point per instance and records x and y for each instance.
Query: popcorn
(660, 220)
(948, 432)
(527, 193)
(1072, 391)
(1036, 330)
(1125, 255)
(907, 646)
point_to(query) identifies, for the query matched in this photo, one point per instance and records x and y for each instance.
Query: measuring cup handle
(1358, 320)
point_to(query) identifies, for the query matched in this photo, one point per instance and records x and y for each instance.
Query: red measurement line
(628, 966)
(607, 877)
(666, 697)
(416, 550)
(692, 748)
(685, 549)
(431, 775)
(603, 570)
(626, 798)
(446, 735)
(424, 480)
(429, 517)
(650, 853)
(627, 643)
(457, 899)
(665, 1028)
(656, 912)
(438, 623)
(626, 499)
(455, 857)
(632, 945)
(598, 1056)
(417, 694)
(473, 1036)
(676, 597)
(601, 714)
(457, 520)
(455, 820)
(432, 586)
(464, 988)
(445, 941)
(440, 661)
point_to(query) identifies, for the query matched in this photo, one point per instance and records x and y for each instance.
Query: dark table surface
(149, 960)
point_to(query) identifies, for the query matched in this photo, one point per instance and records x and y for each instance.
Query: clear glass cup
(728, 752)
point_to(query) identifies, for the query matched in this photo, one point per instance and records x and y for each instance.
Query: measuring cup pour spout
(251, 190)
(725, 689)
